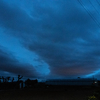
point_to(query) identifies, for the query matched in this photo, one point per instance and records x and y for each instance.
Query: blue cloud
(63, 34)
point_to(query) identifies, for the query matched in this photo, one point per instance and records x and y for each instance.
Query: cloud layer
(64, 34)
(8, 63)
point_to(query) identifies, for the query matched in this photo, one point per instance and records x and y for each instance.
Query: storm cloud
(9, 64)
(63, 34)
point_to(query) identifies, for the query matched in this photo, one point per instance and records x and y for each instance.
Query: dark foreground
(49, 94)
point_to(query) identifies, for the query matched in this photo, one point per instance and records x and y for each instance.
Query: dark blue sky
(50, 38)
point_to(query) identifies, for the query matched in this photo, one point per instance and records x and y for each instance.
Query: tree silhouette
(19, 77)
(3, 79)
(12, 79)
(0, 79)
(8, 78)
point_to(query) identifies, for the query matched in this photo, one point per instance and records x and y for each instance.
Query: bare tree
(19, 77)
(3, 79)
(12, 79)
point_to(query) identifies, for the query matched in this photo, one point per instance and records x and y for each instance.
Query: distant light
(95, 82)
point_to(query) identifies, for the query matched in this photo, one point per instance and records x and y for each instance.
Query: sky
(50, 38)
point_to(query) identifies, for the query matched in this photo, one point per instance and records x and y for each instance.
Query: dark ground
(49, 94)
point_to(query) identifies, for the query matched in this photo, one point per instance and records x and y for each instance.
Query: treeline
(7, 79)
(10, 83)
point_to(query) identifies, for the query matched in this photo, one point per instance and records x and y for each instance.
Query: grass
(48, 94)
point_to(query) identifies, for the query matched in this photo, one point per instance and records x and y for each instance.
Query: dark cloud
(61, 32)
(15, 19)
(66, 42)
(10, 64)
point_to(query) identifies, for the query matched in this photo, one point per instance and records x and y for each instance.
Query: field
(48, 94)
